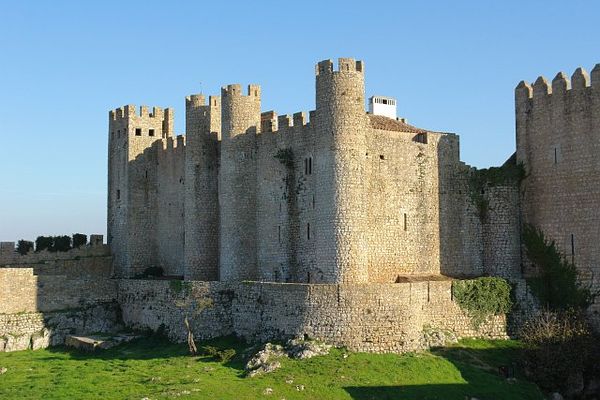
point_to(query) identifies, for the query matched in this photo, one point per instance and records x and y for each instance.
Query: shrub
(483, 297)
(225, 355)
(220, 355)
(557, 287)
(24, 246)
(79, 239)
(61, 243)
(559, 350)
(43, 243)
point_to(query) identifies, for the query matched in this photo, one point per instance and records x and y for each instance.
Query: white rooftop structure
(381, 105)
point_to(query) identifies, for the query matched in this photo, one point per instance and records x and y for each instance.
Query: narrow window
(308, 231)
(112, 135)
(572, 245)
(146, 174)
(313, 201)
(310, 165)
(555, 156)
(405, 221)
(151, 132)
(118, 194)
(138, 131)
(305, 166)
(279, 233)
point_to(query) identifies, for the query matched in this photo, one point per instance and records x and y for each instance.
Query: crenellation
(580, 79)
(561, 83)
(299, 119)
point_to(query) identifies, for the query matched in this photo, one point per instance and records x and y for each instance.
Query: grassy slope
(157, 369)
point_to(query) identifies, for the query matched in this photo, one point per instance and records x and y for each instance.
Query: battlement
(235, 90)
(130, 111)
(561, 84)
(325, 67)
(199, 100)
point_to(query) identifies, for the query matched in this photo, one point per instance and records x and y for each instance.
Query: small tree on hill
(61, 243)
(24, 246)
(43, 243)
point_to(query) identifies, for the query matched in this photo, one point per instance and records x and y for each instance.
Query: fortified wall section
(558, 141)
(89, 261)
(368, 317)
(39, 311)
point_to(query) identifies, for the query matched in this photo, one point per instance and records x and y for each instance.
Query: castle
(343, 196)
(341, 225)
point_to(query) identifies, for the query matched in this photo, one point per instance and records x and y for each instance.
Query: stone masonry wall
(558, 131)
(367, 317)
(22, 291)
(36, 330)
(88, 261)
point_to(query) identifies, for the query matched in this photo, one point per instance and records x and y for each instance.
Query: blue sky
(451, 65)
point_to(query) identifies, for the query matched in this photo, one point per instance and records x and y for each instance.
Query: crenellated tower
(132, 180)
(341, 121)
(203, 131)
(240, 123)
(558, 142)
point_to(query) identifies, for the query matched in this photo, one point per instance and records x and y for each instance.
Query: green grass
(157, 369)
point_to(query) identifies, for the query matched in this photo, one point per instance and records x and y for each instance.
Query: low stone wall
(368, 317)
(22, 291)
(84, 262)
(36, 330)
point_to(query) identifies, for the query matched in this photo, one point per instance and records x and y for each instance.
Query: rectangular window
(308, 231)
(310, 165)
(405, 222)
(118, 194)
(151, 132)
(572, 245)
(138, 131)
(555, 156)
(279, 233)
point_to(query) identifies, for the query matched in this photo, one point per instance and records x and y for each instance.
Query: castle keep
(337, 195)
(339, 224)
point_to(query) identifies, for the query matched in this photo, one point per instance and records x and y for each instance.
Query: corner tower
(240, 122)
(558, 142)
(341, 122)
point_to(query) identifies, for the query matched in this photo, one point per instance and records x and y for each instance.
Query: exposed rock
(91, 343)
(265, 360)
(3, 370)
(268, 391)
(303, 349)
(432, 337)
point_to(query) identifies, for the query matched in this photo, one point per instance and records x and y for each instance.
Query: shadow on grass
(156, 347)
(483, 367)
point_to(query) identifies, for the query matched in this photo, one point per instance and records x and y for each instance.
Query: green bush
(43, 243)
(79, 239)
(24, 246)
(482, 297)
(225, 355)
(557, 287)
(61, 243)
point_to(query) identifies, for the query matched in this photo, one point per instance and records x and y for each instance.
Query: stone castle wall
(22, 291)
(88, 261)
(558, 130)
(368, 317)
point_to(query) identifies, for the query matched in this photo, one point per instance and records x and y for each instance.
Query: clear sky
(452, 66)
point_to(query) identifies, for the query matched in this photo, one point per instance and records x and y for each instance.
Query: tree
(43, 243)
(61, 243)
(24, 246)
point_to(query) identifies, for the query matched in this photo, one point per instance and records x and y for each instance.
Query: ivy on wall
(557, 286)
(483, 297)
(481, 179)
